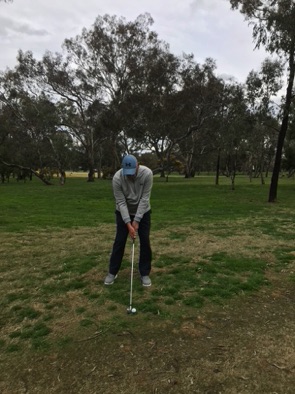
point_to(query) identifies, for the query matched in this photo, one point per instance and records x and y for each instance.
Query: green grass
(210, 244)
(33, 205)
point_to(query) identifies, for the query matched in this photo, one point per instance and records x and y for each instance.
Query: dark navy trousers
(145, 253)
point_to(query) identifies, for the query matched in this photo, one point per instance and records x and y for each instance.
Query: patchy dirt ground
(244, 348)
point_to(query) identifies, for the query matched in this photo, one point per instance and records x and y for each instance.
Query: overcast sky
(206, 28)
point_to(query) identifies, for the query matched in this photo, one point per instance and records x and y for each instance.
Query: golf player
(132, 186)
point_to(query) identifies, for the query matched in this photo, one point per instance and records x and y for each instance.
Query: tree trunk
(62, 177)
(283, 130)
(217, 169)
(91, 172)
(91, 175)
(232, 177)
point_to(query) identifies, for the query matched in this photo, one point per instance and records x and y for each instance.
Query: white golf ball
(133, 310)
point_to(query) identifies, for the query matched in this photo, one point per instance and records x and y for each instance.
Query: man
(132, 186)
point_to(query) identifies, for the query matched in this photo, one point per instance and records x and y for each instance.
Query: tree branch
(26, 169)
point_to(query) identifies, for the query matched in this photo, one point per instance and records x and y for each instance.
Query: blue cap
(129, 164)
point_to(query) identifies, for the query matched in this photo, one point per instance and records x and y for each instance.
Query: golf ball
(133, 310)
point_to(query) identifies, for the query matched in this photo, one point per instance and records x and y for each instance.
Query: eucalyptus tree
(31, 120)
(232, 134)
(75, 98)
(199, 86)
(288, 163)
(6, 142)
(274, 28)
(260, 88)
(91, 80)
(157, 108)
(218, 109)
(219, 126)
(17, 149)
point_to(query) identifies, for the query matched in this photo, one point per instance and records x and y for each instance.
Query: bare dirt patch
(245, 346)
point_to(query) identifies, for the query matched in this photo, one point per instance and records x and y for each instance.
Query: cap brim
(129, 171)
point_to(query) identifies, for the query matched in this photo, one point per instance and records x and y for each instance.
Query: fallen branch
(89, 338)
(26, 169)
(278, 367)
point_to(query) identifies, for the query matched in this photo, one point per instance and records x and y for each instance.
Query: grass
(210, 244)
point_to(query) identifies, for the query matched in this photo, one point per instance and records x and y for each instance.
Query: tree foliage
(116, 88)
(274, 28)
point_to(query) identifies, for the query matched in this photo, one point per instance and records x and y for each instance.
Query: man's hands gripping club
(133, 228)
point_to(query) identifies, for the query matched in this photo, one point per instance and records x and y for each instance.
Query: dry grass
(195, 244)
(245, 346)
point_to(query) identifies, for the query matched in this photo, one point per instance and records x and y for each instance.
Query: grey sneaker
(109, 280)
(145, 280)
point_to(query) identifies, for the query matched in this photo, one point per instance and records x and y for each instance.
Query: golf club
(131, 310)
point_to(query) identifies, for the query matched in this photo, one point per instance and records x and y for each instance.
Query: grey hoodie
(133, 196)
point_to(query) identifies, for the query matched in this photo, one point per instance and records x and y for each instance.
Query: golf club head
(131, 311)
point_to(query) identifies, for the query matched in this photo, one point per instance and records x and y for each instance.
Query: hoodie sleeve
(144, 202)
(120, 199)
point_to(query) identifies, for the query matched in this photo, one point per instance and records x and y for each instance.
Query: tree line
(116, 88)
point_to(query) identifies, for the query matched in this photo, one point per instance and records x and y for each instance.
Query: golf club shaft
(131, 278)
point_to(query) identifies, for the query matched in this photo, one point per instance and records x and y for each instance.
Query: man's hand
(135, 225)
(132, 231)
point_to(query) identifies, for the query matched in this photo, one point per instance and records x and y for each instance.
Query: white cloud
(9, 27)
(206, 28)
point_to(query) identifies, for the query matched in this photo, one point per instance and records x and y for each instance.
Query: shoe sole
(146, 285)
(110, 283)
